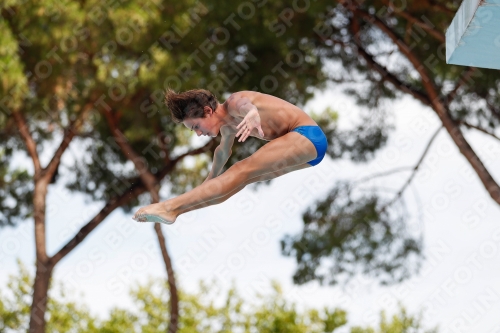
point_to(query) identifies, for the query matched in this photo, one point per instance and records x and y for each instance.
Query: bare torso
(277, 116)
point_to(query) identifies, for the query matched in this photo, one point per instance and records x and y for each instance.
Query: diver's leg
(288, 151)
(261, 178)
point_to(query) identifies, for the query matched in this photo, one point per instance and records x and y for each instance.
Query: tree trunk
(39, 305)
(174, 297)
(43, 267)
(466, 150)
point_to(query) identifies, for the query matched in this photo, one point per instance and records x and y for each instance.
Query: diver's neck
(224, 116)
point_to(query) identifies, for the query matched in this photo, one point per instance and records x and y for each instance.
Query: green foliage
(16, 191)
(65, 315)
(360, 143)
(15, 302)
(401, 322)
(207, 310)
(355, 235)
(276, 314)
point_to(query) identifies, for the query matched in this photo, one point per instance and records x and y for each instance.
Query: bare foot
(155, 213)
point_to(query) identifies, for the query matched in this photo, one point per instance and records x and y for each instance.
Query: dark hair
(189, 104)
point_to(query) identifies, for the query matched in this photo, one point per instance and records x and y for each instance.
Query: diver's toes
(139, 218)
(137, 215)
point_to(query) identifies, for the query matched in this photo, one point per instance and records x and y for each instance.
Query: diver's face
(208, 126)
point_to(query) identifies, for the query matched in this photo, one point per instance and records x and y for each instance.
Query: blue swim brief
(317, 137)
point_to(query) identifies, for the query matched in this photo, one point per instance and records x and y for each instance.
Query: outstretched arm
(222, 152)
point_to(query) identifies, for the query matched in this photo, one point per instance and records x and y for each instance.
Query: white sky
(458, 287)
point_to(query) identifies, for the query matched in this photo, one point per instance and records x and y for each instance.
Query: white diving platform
(473, 38)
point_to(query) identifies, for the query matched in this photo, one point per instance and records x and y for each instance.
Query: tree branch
(403, 48)
(132, 192)
(466, 124)
(69, 134)
(404, 14)
(146, 176)
(203, 149)
(415, 169)
(442, 8)
(389, 77)
(28, 141)
(383, 71)
(381, 174)
(161, 141)
(463, 79)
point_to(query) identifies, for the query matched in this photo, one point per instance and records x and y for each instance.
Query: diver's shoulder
(244, 93)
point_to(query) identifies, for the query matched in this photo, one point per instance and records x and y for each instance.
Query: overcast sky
(458, 287)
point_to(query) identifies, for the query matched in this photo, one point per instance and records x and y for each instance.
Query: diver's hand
(251, 121)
